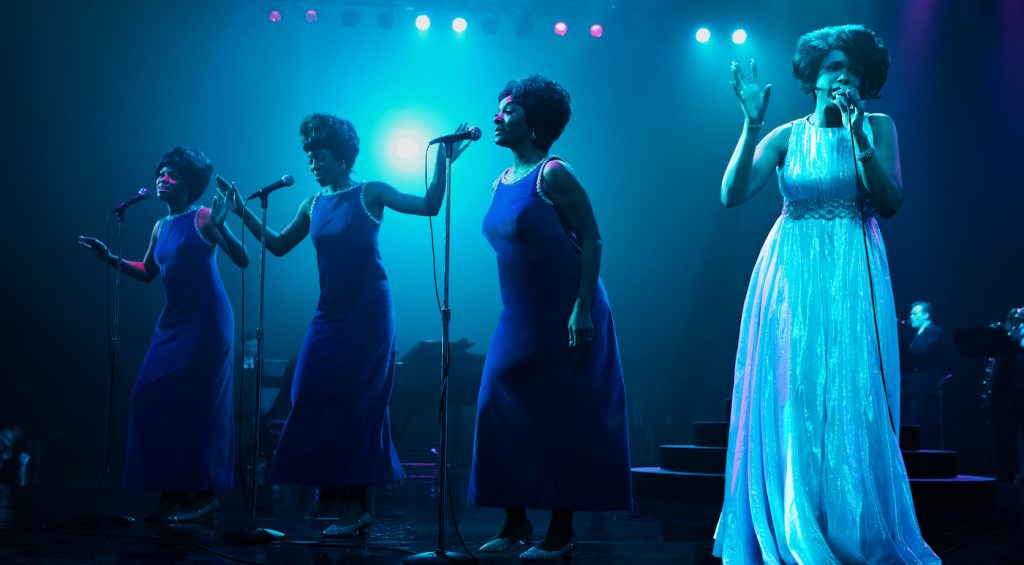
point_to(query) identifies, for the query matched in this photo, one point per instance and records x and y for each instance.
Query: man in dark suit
(923, 366)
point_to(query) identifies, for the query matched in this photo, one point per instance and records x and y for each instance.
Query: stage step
(963, 492)
(679, 487)
(700, 490)
(692, 477)
(716, 434)
(711, 434)
(693, 458)
(931, 464)
(910, 438)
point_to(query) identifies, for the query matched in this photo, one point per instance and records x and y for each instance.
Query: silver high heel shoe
(360, 527)
(566, 552)
(497, 545)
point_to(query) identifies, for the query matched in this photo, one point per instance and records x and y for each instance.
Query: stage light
(312, 17)
(386, 19)
(596, 30)
(422, 23)
(739, 37)
(349, 17)
(561, 28)
(459, 25)
(405, 149)
(703, 35)
(274, 16)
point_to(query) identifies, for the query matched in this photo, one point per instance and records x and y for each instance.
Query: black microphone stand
(862, 203)
(255, 533)
(105, 520)
(440, 555)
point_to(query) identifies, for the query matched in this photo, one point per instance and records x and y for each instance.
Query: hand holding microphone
(847, 99)
(458, 141)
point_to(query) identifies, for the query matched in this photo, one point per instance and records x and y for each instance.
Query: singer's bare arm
(278, 243)
(145, 270)
(882, 176)
(753, 163)
(211, 223)
(571, 203)
(379, 195)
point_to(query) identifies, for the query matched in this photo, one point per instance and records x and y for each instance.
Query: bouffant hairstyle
(190, 167)
(867, 54)
(327, 131)
(546, 104)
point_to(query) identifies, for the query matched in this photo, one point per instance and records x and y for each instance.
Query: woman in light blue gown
(814, 471)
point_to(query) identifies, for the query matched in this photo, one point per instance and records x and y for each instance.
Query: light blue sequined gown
(814, 471)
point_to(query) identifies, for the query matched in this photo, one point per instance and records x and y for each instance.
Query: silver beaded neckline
(188, 210)
(329, 192)
(505, 176)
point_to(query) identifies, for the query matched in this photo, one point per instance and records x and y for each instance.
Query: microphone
(284, 181)
(472, 134)
(139, 197)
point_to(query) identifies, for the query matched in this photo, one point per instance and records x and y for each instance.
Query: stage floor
(37, 525)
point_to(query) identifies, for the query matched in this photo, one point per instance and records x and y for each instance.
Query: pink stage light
(561, 28)
(274, 16)
(312, 17)
(596, 30)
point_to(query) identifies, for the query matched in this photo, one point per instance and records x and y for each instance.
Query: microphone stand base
(106, 522)
(252, 536)
(439, 557)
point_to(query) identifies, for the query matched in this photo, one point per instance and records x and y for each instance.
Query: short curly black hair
(320, 130)
(862, 45)
(546, 105)
(191, 167)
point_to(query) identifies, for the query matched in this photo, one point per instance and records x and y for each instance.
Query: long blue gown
(551, 429)
(179, 435)
(814, 471)
(338, 432)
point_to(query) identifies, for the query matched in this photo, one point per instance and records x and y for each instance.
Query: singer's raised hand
(97, 247)
(232, 200)
(753, 98)
(219, 210)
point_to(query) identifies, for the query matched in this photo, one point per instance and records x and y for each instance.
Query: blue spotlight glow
(405, 149)
(422, 23)
(459, 25)
(739, 37)
(703, 35)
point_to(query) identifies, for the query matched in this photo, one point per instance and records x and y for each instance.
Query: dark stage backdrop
(96, 91)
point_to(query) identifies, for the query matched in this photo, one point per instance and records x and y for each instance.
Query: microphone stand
(440, 555)
(105, 520)
(862, 204)
(255, 533)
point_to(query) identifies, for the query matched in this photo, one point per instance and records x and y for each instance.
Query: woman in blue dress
(338, 434)
(551, 427)
(180, 433)
(814, 471)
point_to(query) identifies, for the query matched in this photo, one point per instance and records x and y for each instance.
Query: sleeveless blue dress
(551, 430)
(814, 471)
(180, 432)
(338, 432)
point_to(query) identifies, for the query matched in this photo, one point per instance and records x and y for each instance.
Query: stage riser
(692, 477)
